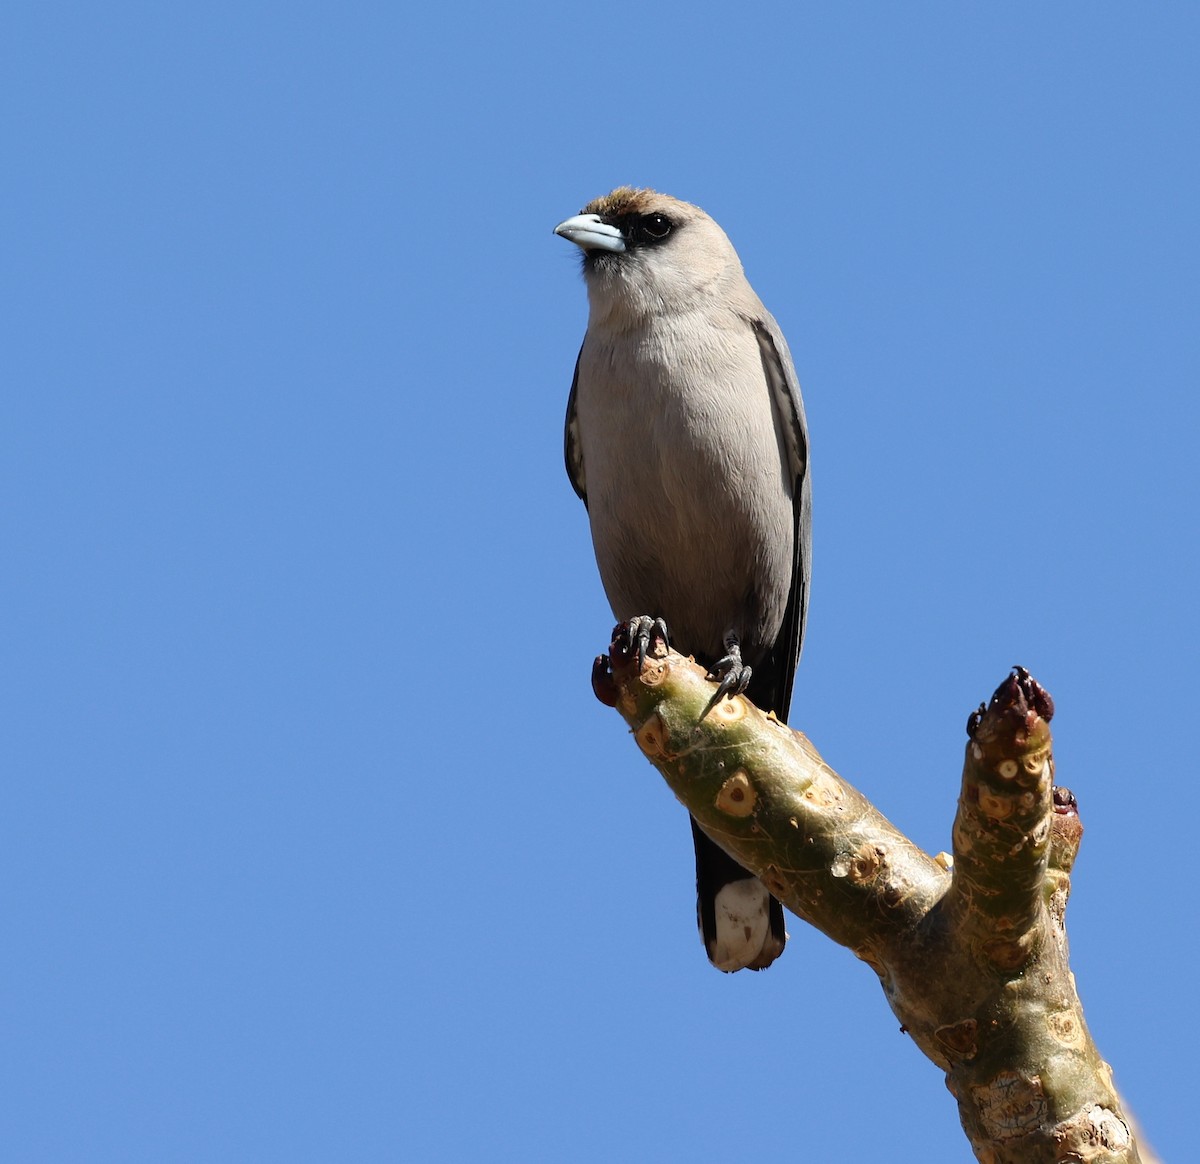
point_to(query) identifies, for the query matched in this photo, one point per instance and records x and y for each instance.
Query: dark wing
(572, 449)
(771, 684)
(780, 664)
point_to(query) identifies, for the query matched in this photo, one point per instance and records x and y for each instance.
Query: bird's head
(646, 253)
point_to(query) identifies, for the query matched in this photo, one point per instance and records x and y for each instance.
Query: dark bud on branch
(1036, 695)
(603, 683)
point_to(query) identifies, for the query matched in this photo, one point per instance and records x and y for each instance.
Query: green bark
(974, 960)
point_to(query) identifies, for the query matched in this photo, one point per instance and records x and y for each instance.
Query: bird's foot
(731, 674)
(639, 634)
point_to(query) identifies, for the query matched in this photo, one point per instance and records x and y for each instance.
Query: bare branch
(973, 962)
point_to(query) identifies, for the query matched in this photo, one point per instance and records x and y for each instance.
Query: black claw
(732, 675)
(639, 634)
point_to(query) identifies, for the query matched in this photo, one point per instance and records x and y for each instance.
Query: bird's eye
(656, 226)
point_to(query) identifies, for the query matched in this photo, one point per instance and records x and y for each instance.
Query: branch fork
(972, 954)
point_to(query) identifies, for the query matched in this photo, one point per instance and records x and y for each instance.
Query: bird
(686, 439)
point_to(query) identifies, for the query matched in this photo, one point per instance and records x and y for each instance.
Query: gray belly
(689, 502)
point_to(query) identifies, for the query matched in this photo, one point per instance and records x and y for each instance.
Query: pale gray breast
(689, 501)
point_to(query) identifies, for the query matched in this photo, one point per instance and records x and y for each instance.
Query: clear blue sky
(316, 845)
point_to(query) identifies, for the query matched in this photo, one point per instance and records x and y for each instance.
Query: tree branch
(973, 961)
